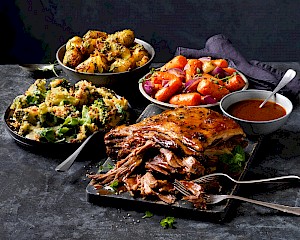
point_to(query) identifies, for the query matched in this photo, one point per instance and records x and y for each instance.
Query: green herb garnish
(148, 214)
(167, 222)
(225, 79)
(114, 185)
(235, 160)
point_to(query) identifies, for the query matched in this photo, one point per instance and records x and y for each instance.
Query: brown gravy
(249, 110)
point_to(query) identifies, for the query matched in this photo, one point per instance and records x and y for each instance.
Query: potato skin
(72, 58)
(124, 37)
(94, 34)
(74, 43)
(121, 65)
(94, 64)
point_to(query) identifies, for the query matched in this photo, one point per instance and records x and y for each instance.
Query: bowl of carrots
(191, 82)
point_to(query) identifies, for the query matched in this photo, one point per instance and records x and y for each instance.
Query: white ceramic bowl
(165, 105)
(107, 79)
(257, 127)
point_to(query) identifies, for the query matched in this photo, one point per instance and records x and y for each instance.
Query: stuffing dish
(59, 112)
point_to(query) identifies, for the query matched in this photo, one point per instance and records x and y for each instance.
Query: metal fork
(213, 176)
(213, 199)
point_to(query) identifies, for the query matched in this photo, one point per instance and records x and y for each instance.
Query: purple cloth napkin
(260, 75)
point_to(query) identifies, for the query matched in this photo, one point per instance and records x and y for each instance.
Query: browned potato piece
(74, 42)
(93, 34)
(142, 62)
(72, 57)
(139, 52)
(88, 46)
(121, 65)
(112, 49)
(125, 53)
(94, 64)
(125, 37)
(115, 50)
(100, 44)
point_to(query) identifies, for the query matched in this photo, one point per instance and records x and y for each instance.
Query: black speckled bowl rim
(32, 143)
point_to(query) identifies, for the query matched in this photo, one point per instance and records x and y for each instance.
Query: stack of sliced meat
(182, 143)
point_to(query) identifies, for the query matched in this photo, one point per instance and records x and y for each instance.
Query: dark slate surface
(38, 203)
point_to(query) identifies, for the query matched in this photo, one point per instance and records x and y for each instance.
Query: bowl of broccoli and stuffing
(58, 112)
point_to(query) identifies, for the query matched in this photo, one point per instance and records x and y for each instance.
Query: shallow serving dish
(216, 212)
(166, 105)
(257, 127)
(35, 145)
(106, 79)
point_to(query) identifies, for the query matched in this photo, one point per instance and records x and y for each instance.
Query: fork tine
(205, 179)
(181, 188)
(207, 198)
(178, 186)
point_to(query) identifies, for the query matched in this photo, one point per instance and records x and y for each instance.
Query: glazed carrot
(192, 67)
(186, 99)
(229, 70)
(167, 91)
(177, 62)
(220, 63)
(208, 87)
(159, 76)
(235, 83)
(212, 78)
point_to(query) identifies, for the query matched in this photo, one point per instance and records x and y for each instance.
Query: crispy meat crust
(191, 129)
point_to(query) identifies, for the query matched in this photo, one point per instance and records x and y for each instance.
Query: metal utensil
(66, 164)
(40, 67)
(213, 176)
(213, 199)
(287, 77)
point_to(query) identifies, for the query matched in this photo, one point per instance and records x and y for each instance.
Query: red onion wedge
(218, 72)
(209, 99)
(177, 72)
(205, 59)
(164, 83)
(148, 87)
(191, 85)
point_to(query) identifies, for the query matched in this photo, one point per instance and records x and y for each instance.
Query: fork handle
(268, 179)
(283, 208)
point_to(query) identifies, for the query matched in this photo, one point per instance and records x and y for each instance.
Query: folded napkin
(260, 75)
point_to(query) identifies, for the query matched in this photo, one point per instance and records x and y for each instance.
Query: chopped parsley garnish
(148, 214)
(114, 185)
(235, 160)
(168, 222)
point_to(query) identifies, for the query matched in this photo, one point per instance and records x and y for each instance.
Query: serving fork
(214, 176)
(213, 199)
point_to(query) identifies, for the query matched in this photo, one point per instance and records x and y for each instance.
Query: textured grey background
(262, 30)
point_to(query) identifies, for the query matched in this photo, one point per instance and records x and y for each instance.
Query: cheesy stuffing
(59, 112)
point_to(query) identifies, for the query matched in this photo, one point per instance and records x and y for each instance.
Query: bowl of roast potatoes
(105, 59)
